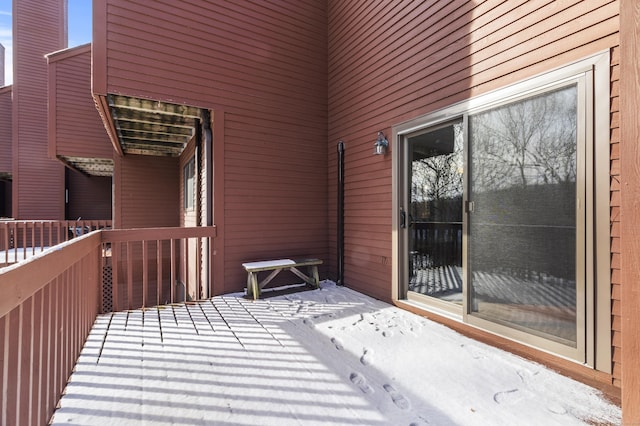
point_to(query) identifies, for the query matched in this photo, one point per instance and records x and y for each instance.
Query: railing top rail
(174, 233)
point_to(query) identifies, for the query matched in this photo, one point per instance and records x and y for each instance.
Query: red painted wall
(76, 130)
(75, 127)
(145, 192)
(263, 64)
(38, 181)
(89, 196)
(5, 129)
(421, 56)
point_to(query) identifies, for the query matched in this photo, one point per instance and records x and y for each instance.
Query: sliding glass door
(523, 258)
(435, 212)
(493, 216)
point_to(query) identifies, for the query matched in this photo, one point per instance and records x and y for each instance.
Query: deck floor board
(321, 357)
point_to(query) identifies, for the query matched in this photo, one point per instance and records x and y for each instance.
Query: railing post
(159, 277)
(173, 269)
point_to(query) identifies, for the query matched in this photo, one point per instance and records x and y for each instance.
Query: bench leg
(314, 274)
(252, 285)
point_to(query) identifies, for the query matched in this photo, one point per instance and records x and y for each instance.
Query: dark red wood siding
(616, 264)
(75, 127)
(264, 65)
(411, 58)
(38, 182)
(145, 192)
(89, 196)
(5, 129)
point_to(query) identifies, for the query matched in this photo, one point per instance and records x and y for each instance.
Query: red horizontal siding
(89, 197)
(263, 65)
(5, 130)
(420, 57)
(146, 192)
(38, 181)
(615, 205)
(76, 129)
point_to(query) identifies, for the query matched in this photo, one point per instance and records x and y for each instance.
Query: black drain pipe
(208, 166)
(340, 221)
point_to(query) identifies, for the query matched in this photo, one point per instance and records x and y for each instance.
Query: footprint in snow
(309, 322)
(526, 374)
(367, 357)
(556, 408)
(510, 396)
(360, 381)
(337, 343)
(387, 333)
(397, 398)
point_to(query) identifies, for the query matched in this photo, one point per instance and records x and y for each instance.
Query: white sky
(5, 40)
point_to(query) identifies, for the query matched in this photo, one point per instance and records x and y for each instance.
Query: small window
(189, 184)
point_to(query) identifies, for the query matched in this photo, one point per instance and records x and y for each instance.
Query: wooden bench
(253, 268)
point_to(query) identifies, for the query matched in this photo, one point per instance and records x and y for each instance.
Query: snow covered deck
(327, 356)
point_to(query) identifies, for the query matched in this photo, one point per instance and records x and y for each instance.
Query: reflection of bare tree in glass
(526, 142)
(437, 183)
(521, 245)
(436, 212)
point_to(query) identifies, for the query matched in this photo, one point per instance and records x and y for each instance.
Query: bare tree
(532, 141)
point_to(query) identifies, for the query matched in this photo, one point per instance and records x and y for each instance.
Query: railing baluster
(199, 267)
(172, 284)
(159, 266)
(145, 272)
(185, 268)
(12, 341)
(36, 356)
(24, 240)
(129, 276)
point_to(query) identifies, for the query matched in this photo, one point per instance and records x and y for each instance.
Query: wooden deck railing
(21, 239)
(49, 302)
(154, 266)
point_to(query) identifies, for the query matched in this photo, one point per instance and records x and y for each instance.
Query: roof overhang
(89, 166)
(148, 127)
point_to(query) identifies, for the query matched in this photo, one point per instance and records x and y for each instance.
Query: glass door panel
(436, 159)
(523, 169)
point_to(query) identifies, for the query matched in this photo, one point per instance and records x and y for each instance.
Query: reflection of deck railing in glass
(436, 244)
(435, 258)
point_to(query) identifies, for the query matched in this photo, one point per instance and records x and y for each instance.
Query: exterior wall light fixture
(381, 144)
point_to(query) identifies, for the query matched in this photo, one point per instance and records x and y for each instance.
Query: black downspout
(208, 167)
(198, 198)
(340, 213)
(208, 158)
